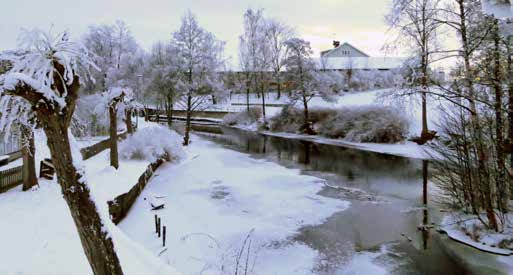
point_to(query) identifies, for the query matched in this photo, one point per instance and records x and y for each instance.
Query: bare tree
(201, 55)
(277, 33)
(308, 82)
(416, 20)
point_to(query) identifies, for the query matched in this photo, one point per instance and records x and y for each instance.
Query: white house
(347, 57)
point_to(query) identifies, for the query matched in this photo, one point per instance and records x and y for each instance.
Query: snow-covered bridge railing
(10, 178)
(194, 114)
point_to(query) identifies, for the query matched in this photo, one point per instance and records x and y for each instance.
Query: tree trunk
(501, 182)
(186, 138)
(263, 103)
(510, 103)
(424, 84)
(128, 121)
(98, 246)
(247, 98)
(113, 132)
(481, 153)
(305, 109)
(278, 82)
(29, 162)
(169, 111)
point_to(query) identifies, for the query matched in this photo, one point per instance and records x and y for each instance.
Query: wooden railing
(10, 178)
(119, 206)
(93, 150)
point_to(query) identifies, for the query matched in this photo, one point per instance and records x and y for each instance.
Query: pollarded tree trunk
(29, 162)
(113, 133)
(128, 121)
(98, 246)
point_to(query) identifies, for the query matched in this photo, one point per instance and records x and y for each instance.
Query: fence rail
(10, 178)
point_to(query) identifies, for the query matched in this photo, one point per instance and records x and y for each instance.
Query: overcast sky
(359, 22)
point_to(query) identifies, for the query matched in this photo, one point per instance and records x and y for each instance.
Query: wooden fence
(93, 150)
(10, 178)
(119, 207)
(13, 177)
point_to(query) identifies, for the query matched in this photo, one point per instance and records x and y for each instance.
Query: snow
(41, 249)
(369, 63)
(374, 97)
(209, 212)
(406, 149)
(460, 227)
(12, 79)
(151, 143)
(12, 164)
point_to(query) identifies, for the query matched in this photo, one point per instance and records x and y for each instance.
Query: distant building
(347, 57)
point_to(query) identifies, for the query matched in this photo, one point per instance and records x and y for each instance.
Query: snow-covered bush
(291, 119)
(244, 118)
(359, 123)
(150, 143)
(365, 124)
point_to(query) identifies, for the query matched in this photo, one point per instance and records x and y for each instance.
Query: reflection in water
(381, 188)
(425, 219)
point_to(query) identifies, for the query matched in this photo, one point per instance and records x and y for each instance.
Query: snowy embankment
(467, 229)
(216, 198)
(410, 109)
(38, 233)
(406, 149)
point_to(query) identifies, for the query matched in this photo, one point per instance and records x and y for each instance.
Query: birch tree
(277, 33)
(200, 54)
(416, 21)
(308, 82)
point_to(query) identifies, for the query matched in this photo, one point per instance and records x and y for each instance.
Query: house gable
(344, 50)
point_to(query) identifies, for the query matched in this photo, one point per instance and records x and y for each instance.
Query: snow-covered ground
(215, 198)
(38, 235)
(469, 230)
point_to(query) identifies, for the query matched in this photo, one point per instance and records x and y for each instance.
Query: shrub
(243, 118)
(359, 124)
(151, 143)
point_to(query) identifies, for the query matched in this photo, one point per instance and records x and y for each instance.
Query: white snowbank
(150, 143)
(469, 230)
(216, 197)
(406, 149)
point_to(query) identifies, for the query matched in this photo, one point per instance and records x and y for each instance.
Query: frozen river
(245, 202)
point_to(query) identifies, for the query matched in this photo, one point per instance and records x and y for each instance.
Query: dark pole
(156, 224)
(158, 231)
(164, 237)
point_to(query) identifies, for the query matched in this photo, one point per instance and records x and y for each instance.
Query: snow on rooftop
(342, 63)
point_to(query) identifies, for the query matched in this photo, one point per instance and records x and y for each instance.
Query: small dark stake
(164, 236)
(158, 228)
(156, 225)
